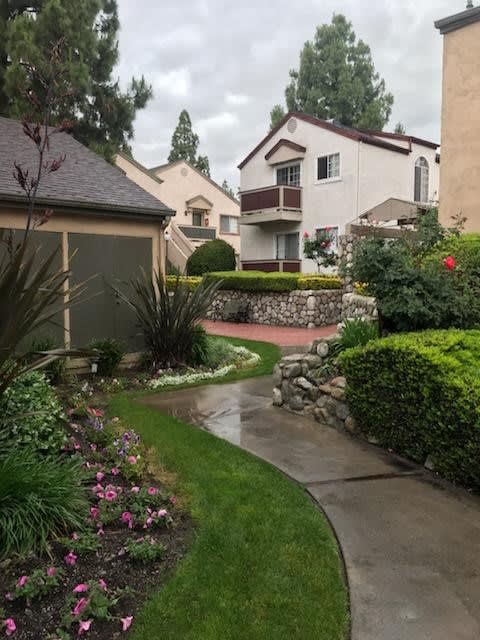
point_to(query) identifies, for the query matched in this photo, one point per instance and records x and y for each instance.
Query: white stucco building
(307, 174)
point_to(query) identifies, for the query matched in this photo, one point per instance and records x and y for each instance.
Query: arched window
(421, 180)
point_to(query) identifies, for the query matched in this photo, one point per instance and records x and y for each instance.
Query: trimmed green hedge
(214, 255)
(277, 281)
(419, 394)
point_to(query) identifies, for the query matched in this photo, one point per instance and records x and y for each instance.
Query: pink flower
(132, 459)
(94, 511)
(100, 476)
(173, 499)
(93, 446)
(51, 571)
(126, 622)
(81, 588)
(100, 495)
(10, 626)
(110, 495)
(152, 491)
(102, 584)
(76, 446)
(70, 559)
(97, 413)
(81, 605)
(135, 489)
(162, 513)
(97, 488)
(22, 581)
(84, 625)
(449, 263)
(148, 523)
(305, 235)
(127, 518)
(115, 471)
(75, 536)
(9, 597)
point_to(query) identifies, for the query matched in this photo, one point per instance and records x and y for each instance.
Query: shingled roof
(85, 180)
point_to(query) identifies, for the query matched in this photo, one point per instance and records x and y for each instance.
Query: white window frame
(230, 233)
(424, 177)
(333, 178)
(275, 244)
(285, 165)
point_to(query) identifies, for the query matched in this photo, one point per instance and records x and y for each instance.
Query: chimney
(470, 4)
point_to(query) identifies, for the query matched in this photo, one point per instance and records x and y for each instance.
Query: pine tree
(228, 189)
(102, 114)
(337, 79)
(185, 143)
(276, 115)
(399, 128)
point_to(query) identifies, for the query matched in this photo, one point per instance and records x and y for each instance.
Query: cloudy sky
(227, 63)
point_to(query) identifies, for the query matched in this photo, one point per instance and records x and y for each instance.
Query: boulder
(277, 398)
(296, 403)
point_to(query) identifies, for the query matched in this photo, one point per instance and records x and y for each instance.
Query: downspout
(358, 181)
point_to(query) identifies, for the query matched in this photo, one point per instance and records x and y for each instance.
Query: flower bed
(98, 577)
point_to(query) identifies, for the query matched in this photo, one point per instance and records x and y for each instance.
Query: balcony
(278, 203)
(201, 234)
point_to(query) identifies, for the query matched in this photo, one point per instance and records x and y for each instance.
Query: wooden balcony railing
(275, 197)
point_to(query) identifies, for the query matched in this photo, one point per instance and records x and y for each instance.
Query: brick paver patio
(282, 336)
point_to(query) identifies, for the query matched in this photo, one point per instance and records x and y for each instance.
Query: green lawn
(264, 564)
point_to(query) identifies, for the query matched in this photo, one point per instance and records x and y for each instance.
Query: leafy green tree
(101, 113)
(185, 143)
(399, 128)
(276, 115)
(337, 79)
(228, 189)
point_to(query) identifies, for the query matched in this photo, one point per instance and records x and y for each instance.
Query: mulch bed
(40, 618)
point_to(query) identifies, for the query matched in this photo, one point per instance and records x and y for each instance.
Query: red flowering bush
(320, 248)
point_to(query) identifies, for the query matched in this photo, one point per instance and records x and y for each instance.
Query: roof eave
(458, 20)
(89, 206)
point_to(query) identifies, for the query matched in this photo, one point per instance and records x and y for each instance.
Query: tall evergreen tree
(228, 189)
(185, 143)
(337, 79)
(400, 128)
(102, 114)
(276, 114)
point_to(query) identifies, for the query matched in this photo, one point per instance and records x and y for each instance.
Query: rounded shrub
(419, 394)
(216, 255)
(109, 355)
(30, 416)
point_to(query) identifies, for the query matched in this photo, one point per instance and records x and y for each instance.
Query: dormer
(285, 151)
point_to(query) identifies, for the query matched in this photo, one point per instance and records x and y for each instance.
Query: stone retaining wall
(356, 306)
(289, 309)
(298, 387)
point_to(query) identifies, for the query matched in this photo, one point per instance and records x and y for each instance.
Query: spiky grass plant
(168, 316)
(39, 498)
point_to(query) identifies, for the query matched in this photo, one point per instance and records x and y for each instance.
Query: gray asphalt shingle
(84, 178)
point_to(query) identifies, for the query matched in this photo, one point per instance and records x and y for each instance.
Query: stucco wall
(369, 176)
(460, 166)
(178, 188)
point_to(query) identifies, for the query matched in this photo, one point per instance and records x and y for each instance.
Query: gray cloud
(228, 62)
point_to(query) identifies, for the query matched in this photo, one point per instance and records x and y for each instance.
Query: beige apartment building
(204, 211)
(460, 166)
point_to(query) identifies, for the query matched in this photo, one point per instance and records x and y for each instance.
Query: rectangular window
(288, 246)
(333, 234)
(228, 224)
(197, 217)
(328, 167)
(289, 175)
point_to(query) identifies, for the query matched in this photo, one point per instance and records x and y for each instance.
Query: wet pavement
(411, 544)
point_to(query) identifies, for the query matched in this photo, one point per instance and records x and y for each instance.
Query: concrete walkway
(411, 544)
(281, 336)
